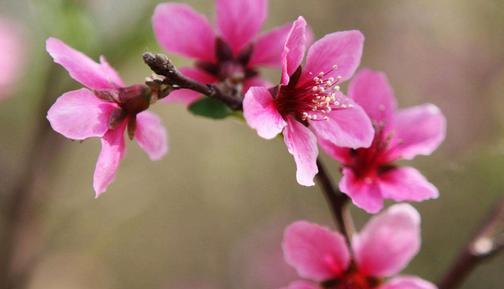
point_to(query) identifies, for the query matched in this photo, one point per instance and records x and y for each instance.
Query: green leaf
(211, 108)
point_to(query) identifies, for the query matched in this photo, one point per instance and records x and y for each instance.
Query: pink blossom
(104, 109)
(308, 101)
(369, 174)
(381, 250)
(11, 56)
(229, 56)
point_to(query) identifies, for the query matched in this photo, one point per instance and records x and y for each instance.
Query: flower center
(311, 99)
(368, 162)
(352, 280)
(228, 66)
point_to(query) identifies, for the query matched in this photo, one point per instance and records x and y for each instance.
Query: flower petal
(406, 184)
(388, 242)
(430, 130)
(255, 81)
(302, 144)
(364, 193)
(239, 21)
(151, 135)
(80, 67)
(79, 114)
(339, 154)
(269, 46)
(346, 127)
(261, 113)
(187, 96)
(336, 54)
(301, 285)
(408, 282)
(180, 29)
(112, 152)
(12, 56)
(314, 251)
(111, 73)
(373, 92)
(294, 49)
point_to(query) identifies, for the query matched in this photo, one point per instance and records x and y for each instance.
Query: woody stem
(337, 202)
(487, 242)
(161, 65)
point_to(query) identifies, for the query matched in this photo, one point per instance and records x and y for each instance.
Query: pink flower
(308, 101)
(381, 250)
(369, 174)
(11, 57)
(104, 109)
(230, 56)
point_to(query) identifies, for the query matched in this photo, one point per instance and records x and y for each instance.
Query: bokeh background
(211, 213)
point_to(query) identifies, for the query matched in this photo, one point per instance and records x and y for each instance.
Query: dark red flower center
(310, 99)
(371, 162)
(228, 66)
(352, 280)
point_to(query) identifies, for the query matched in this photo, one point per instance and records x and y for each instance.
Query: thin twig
(486, 243)
(337, 202)
(161, 65)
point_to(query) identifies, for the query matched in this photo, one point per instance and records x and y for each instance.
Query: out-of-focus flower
(231, 56)
(381, 250)
(104, 109)
(308, 101)
(11, 56)
(369, 175)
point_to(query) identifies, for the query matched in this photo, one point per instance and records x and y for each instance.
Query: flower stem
(161, 65)
(337, 202)
(487, 242)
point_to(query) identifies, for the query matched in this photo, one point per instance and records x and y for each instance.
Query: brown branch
(337, 202)
(20, 219)
(486, 243)
(161, 65)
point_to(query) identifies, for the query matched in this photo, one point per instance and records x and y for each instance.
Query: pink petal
(180, 29)
(240, 21)
(261, 113)
(430, 130)
(408, 282)
(80, 67)
(406, 184)
(256, 81)
(112, 152)
(347, 127)
(340, 154)
(365, 193)
(343, 49)
(12, 56)
(151, 135)
(373, 92)
(187, 96)
(302, 144)
(111, 73)
(269, 46)
(294, 49)
(301, 285)
(388, 241)
(314, 251)
(79, 114)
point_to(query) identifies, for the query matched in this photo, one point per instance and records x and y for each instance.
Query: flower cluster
(362, 129)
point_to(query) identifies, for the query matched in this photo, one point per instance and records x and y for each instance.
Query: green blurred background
(211, 213)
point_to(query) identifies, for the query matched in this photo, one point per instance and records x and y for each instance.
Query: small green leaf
(211, 108)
